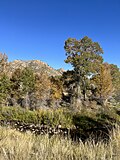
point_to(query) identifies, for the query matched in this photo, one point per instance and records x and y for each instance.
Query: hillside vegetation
(34, 85)
(75, 125)
(62, 114)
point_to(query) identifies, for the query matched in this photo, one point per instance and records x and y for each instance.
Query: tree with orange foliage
(103, 83)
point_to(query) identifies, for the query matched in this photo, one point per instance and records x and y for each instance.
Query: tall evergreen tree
(5, 89)
(23, 82)
(85, 57)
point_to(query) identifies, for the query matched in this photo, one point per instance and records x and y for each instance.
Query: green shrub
(48, 117)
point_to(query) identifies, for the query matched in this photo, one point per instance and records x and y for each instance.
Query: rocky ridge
(36, 65)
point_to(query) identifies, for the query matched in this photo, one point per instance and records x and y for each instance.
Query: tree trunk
(27, 101)
(76, 97)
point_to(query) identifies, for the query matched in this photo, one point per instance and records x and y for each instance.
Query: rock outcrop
(36, 65)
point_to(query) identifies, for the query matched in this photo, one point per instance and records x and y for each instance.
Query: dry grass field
(26, 146)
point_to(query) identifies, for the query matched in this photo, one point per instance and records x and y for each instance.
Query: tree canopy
(85, 57)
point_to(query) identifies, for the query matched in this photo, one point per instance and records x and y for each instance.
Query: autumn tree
(85, 57)
(56, 90)
(48, 90)
(42, 84)
(115, 73)
(103, 84)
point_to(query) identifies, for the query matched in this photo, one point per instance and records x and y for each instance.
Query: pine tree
(23, 81)
(85, 57)
(5, 89)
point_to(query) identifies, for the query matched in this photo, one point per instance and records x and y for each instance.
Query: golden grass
(26, 146)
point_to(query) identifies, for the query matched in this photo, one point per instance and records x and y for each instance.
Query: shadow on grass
(118, 112)
(88, 128)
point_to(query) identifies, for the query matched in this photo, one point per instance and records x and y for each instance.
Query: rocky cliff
(36, 65)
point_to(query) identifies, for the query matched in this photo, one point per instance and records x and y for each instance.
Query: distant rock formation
(36, 65)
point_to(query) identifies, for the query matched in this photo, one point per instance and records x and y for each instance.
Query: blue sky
(37, 29)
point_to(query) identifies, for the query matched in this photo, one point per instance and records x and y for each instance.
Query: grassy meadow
(26, 146)
(15, 145)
